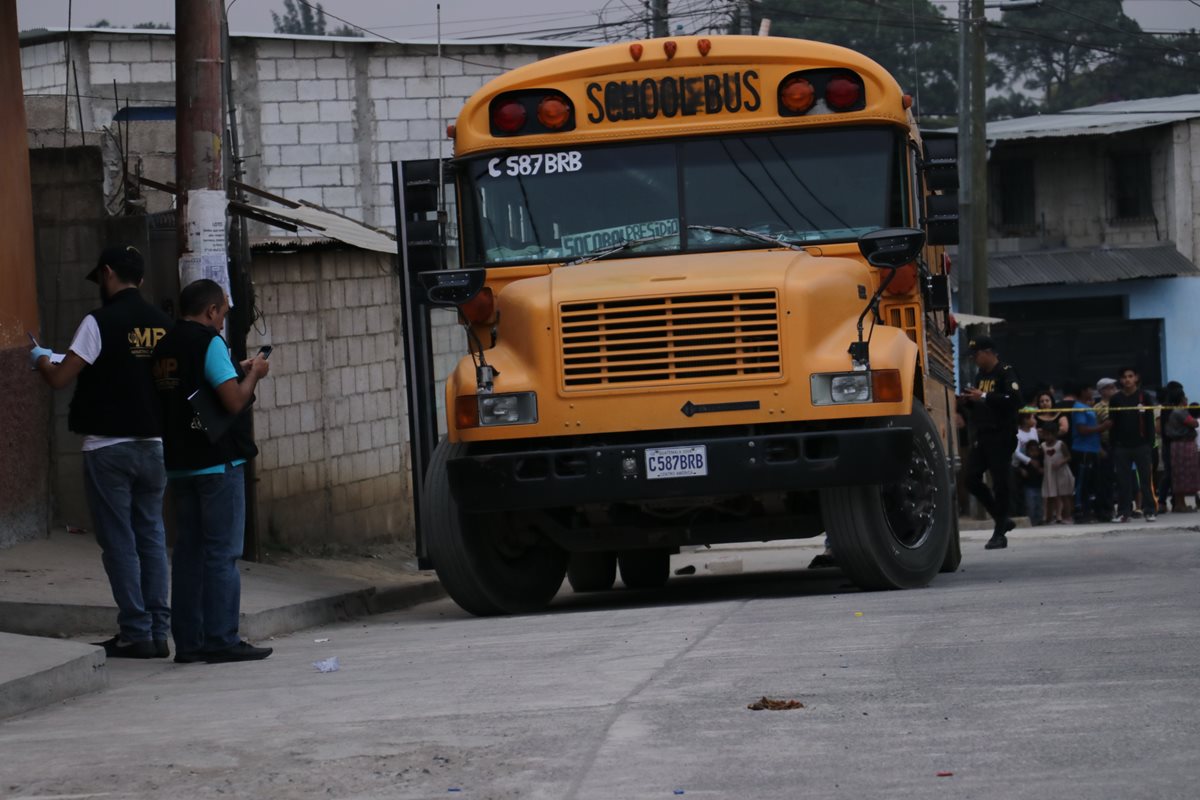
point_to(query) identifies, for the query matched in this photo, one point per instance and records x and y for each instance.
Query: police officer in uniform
(116, 409)
(993, 403)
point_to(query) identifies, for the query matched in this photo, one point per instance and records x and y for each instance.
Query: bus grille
(652, 341)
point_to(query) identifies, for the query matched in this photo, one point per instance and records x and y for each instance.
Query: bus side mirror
(941, 218)
(891, 248)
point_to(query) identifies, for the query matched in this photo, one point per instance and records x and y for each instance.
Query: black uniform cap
(125, 260)
(981, 343)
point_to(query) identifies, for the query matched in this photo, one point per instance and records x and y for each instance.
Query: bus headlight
(836, 388)
(517, 408)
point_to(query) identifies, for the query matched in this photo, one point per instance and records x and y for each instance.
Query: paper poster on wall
(206, 221)
(214, 266)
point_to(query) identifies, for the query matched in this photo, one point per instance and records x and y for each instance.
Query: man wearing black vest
(206, 474)
(115, 409)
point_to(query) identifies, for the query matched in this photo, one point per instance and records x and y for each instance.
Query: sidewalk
(55, 589)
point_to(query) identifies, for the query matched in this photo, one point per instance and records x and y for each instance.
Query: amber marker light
(704, 45)
(480, 308)
(797, 95)
(466, 411)
(885, 386)
(635, 50)
(553, 112)
(451, 130)
(907, 101)
(669, 48)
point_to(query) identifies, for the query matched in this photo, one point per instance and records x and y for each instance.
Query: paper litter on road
(320, 641)
(327, 665)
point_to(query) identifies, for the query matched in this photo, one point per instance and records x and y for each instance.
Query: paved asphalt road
(1060, 668)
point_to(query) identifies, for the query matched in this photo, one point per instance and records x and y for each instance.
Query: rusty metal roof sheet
(331, 225)
(1094, 265)
(1106, 118)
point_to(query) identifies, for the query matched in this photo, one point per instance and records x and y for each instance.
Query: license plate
(676, 462)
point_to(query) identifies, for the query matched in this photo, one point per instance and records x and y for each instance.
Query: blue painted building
(1093, 241)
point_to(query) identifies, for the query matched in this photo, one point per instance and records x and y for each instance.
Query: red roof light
(509, 117)
(843, 92)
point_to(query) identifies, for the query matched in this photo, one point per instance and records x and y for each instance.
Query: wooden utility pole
(200, 164)
(199, 124)
(659, 18)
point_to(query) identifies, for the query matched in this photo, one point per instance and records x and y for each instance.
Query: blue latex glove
(36, 354)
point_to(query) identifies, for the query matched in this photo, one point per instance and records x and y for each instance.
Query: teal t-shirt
(218, 368)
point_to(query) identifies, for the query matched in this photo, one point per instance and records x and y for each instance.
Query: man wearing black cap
(116, 410)
(993, 404)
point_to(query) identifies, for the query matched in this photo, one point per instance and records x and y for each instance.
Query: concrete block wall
(322, 118)
(69, 225)
(330, 418)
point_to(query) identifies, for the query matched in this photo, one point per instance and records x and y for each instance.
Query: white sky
(411, 19)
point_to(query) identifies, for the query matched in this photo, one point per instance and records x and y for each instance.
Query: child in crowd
(1058, 484)
(1030, 475)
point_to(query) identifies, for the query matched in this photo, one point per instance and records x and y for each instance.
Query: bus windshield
(802, 186)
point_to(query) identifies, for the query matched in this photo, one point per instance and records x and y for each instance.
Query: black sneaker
(1003, 526)
(116, 647)
(997, 542)
(242, 651)
(161, 650)
(189, 658)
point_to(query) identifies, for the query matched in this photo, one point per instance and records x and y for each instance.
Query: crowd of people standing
(1113, 450)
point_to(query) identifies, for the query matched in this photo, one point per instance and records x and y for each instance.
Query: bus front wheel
(485, 565)
(592, 572)
(896, 536)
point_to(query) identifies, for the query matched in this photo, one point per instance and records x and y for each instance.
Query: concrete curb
(338, 608)
(56, 671)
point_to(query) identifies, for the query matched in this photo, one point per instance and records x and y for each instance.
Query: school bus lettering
(729, 92)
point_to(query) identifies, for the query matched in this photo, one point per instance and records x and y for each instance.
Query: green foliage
(346, 30)
(300, 18)
(1074, 53)
(152, 26)
(910, 38)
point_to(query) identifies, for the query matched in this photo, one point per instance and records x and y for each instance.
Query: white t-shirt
(86, 344)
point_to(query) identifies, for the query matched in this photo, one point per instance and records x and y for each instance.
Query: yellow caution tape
(1110, 409)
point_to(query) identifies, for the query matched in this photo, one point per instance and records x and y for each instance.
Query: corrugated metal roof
(1096, 265)
(334, 226)
(1106, 118)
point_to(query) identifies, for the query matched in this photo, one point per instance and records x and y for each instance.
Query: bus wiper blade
(605, 252)
(746, 233)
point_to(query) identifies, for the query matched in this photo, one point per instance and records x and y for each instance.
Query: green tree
(1064, 51)
(912, 39)
(300, 18)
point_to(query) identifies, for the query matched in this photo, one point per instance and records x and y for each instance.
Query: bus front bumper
(733, 465)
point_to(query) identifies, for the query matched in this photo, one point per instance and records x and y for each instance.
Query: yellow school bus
(705, 301)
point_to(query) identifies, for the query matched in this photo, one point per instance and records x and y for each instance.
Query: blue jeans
(206, 589)
(124, 484)
(1033, 503)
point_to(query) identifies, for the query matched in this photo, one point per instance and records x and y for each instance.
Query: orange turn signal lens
(466, 411)
(481, 308)
(797, 95)
(903, 281)
(885, 386)
(553, 112)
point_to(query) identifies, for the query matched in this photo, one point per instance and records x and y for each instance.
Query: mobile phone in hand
(265, 351)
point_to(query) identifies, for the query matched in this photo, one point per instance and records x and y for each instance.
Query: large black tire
(895, 536)
(645, 569)
(479, 572)
(592, 572)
